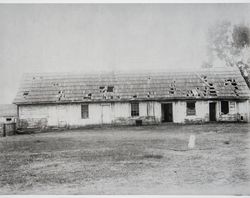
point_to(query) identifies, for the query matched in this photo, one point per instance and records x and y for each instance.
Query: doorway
(106, 113)
(212, 111)
(167, 112)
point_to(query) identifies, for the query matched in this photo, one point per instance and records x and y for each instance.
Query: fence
(8, 129)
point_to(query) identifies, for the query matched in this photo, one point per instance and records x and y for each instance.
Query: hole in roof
(149, 79)
(103, 88)
(134, 96)
(110, 89)
(25, 93)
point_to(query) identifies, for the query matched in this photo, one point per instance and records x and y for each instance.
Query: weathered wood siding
(64, 115)
(69, 115)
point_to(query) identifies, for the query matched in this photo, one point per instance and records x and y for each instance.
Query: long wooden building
(75, 100)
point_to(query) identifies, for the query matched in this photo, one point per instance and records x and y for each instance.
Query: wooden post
(14, 128)
(191, 143)
(4, 130)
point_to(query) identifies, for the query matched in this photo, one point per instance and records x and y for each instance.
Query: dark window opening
(8, 119)
(191, 108)
(224, 107)
(135, 109)
(85, 111)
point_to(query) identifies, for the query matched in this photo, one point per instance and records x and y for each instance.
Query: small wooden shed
(8, 119)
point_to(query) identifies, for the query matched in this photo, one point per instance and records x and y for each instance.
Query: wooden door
(106, 114)
(212, 111)
(167, 112)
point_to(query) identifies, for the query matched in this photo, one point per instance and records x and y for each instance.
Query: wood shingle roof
(217, 83)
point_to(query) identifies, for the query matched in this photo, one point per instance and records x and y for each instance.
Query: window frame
(188, 110)
(135, 109)
(221, 110)
(84, 112)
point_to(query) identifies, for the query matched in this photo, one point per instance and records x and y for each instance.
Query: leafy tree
(231, 44)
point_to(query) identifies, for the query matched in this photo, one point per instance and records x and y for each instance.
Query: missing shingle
(234, 83)
(149, 80)
(61, 95)
(25, 93)
(110, 89)
(103, 89)
(88, 96)
(171, 92)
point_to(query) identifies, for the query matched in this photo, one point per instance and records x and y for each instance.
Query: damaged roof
(204, 84)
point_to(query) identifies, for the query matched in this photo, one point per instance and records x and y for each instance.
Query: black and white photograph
(125, 98)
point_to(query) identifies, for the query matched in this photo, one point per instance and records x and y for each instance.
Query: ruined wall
(180, 114)
(238, 112)
(149, 113)
(69, 115)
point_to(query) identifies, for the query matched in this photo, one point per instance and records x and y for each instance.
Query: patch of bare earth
(128, 160)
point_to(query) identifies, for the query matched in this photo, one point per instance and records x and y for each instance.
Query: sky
(37, 38)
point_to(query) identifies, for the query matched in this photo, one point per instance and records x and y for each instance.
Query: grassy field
(128, 160)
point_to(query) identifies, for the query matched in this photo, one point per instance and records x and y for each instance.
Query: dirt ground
(129, 160)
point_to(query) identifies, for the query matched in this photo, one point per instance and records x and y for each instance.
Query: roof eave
(131, 100)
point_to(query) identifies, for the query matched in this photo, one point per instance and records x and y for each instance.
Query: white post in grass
(191, 143)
